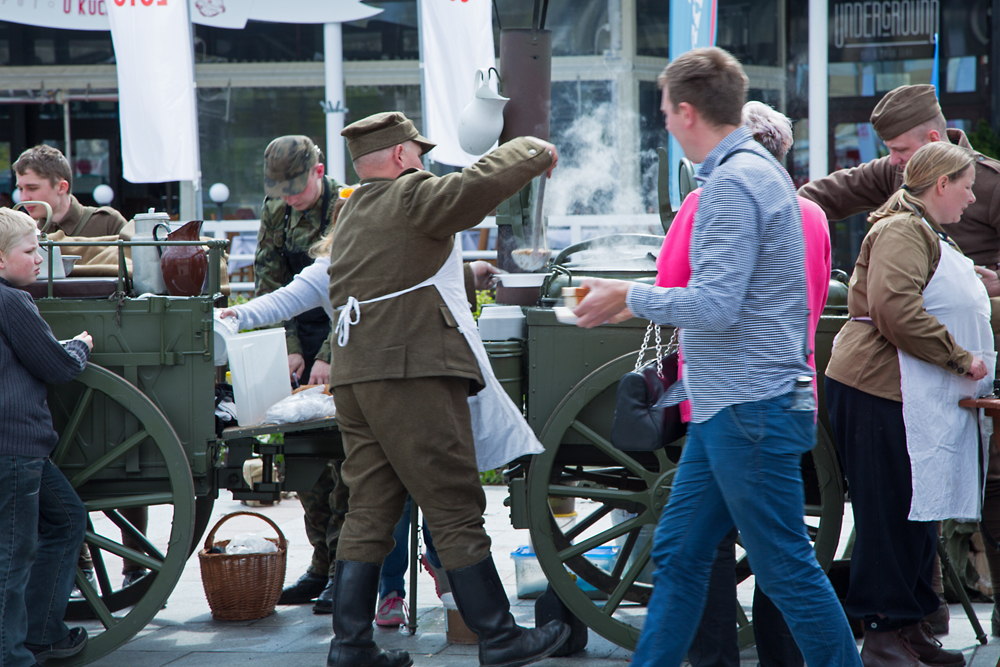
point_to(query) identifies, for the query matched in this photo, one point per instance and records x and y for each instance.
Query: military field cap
(903, 109)
(382, 131)
(287, 163)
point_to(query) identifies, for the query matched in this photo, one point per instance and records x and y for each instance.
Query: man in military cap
(905, 119)
(44, 174)
(296, 213)
(410, 379)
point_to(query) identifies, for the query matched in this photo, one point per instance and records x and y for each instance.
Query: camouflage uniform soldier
(297, 211)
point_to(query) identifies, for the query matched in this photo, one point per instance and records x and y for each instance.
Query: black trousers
(715, 643)
(893, 559)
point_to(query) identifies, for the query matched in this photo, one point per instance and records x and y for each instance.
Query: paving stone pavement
(184, 634)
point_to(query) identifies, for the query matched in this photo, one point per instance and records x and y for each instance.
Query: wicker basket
(242, 587)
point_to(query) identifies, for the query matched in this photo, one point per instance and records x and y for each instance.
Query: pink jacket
(673, 266)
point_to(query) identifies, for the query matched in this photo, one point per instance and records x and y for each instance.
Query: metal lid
(153, 214)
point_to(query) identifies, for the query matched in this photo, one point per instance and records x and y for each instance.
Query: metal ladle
(535, 257)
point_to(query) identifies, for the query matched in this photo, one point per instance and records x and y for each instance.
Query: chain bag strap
(661, 352)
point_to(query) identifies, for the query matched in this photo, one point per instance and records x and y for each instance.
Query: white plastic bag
(309, 404)
(250, 543)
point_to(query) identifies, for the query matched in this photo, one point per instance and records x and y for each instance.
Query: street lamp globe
(103, 194)
(16, 195)
(219, 193)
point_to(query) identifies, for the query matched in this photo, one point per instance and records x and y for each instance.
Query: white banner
(233, 14)
(156, 94)
(457, 40)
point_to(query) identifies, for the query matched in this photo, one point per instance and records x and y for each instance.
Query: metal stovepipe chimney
(526, 71)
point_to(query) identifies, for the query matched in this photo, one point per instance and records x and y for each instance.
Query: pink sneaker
(441, 585)
(391, 612)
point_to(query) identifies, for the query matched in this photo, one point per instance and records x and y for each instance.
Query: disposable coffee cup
(573, 295)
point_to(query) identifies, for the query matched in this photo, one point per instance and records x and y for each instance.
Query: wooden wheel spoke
(664, 460)
(102, 504)
(100, 568)
(625, 552)
(93, 598)
(600, 539)
(73, 425)
(629, 578)
(106, 460)
(124, 552)
(579, 527)
(126, 526)
(605, 446)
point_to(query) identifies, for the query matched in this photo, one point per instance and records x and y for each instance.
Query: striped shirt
(743, 313)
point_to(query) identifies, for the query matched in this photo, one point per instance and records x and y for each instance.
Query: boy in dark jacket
(42, 520)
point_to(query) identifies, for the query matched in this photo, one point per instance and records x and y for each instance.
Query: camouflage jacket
(275, 262)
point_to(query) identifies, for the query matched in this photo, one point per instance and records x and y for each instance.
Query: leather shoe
(304, 590)
(929, 649)
(939, 619)
(889, 649)
(324, 603)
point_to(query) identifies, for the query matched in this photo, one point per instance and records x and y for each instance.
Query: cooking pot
(616, 256)
(836, 300)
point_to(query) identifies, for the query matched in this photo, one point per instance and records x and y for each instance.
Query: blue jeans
(42, 524)
(395, 564)
(742, 467)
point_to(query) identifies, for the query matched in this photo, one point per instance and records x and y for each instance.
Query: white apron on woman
(943, 439)
(499, 429)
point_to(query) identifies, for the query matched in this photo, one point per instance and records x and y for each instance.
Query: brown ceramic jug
(184, 267)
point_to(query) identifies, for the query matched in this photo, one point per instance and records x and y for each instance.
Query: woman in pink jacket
(715, 644)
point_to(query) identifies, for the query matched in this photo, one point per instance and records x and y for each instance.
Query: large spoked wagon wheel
(119, 451)
(580, 462)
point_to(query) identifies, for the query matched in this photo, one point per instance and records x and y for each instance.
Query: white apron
(943, 439)
(499, 429)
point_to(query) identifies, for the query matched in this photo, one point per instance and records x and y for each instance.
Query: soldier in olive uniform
(402, 374)
(297, 211)
(44, 174)
(906, 119)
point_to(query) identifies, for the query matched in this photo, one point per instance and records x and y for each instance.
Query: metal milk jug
(147, 277)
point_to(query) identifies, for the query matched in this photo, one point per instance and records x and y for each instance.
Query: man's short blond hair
(709, 79)
(47, 162)
(14, 226)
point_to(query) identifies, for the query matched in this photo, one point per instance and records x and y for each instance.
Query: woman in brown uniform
(915, 345)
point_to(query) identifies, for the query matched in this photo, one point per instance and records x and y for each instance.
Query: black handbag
(639, 424)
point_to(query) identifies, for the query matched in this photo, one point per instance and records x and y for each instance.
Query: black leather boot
(324, 603)
(304, 590)
(355, 594)
(484, 607)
